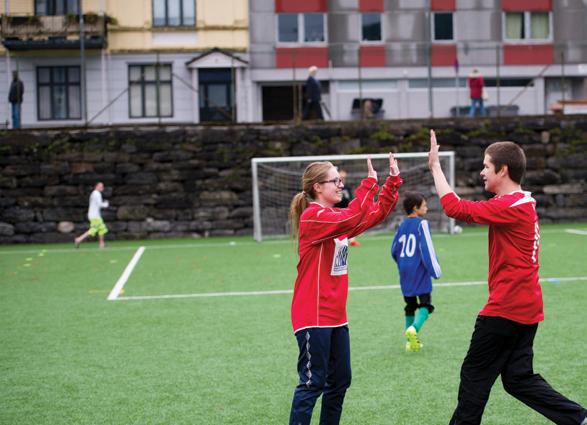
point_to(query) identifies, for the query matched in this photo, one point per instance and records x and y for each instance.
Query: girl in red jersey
(318, 310)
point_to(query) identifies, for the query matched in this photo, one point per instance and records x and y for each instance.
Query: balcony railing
(52, 32)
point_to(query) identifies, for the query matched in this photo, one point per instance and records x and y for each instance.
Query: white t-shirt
(95, 204)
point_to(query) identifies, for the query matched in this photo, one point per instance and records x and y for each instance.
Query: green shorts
(97, 226)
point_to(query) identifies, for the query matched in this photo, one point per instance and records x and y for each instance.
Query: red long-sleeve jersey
(514, 237)
(321, 288)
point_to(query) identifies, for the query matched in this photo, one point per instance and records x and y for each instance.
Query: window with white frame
(301, 27)
(58, 93)
(56, 7)
(174, 13)
(150, 91)
(443, 26)
(371, 27)
(527, 26)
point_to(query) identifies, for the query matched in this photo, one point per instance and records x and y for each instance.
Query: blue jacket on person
(413, 251)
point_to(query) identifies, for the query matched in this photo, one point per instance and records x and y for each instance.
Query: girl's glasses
(337, 181)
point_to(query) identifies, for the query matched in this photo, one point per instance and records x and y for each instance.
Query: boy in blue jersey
(416, 260)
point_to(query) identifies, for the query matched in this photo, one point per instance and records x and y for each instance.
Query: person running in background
(503, 338)
(97, 225)
(414, 254)
(318, 309)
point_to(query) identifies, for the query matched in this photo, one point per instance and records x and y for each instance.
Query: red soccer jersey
(514, 235)
(321, 288)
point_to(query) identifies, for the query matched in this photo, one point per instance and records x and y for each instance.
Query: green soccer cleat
(409, 347)
(413, 345)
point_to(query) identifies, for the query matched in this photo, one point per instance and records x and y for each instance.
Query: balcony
(20, 33)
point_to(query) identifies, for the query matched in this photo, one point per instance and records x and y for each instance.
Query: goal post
(275, 181)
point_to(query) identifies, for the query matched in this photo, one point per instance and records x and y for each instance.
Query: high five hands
(393, 167)
(433, 159)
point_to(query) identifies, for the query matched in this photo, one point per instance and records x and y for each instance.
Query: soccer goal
(276, 180)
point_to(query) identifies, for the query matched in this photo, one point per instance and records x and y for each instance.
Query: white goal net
(277, 180)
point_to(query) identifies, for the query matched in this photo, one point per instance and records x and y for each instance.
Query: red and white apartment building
(411, 58)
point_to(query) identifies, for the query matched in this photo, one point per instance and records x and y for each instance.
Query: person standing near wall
(15, 98)
(312, 108)
(476, 86)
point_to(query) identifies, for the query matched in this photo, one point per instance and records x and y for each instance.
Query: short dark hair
(510, 154)
(412, 200)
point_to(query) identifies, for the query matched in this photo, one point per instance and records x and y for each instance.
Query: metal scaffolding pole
(429, 57)
(82, 47)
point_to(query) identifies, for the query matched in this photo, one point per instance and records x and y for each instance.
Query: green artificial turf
(69, 356)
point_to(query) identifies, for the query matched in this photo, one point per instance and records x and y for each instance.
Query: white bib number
(339, 261)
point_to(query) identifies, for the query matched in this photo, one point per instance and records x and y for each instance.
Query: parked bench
(577, 106)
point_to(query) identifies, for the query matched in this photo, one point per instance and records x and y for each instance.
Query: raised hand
(370, 170)
(393, 167)
(433, 159)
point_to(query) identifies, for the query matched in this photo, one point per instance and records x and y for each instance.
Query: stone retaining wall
(195, 181)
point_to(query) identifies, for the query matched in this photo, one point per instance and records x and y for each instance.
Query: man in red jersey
(505, 328)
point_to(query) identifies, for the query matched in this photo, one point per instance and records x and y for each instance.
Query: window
(216, 94)
(376, 86)
(174, 13)
(301, 27)
(313, 27)
(150, 91)
(527, 26)
(422, 83)
(509, 82)
(371, 27)
(59, 93)
(288, 27)
(55, 7)
(443, 29)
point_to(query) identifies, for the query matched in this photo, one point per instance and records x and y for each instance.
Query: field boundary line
(576, 232)
(125, 275)
(289, 291)
(375, 237)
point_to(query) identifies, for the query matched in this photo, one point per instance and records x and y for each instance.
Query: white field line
(289, 291)
(576, 232)
(125, 275)
(386, 236)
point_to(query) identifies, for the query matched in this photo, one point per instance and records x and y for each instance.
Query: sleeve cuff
(394, 181)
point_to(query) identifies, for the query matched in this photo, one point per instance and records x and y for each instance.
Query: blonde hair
(314, 173)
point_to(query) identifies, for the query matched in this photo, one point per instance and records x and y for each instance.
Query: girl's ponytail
(314, 173)
(298, 205)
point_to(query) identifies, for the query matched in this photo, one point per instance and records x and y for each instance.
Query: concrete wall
(196, 181)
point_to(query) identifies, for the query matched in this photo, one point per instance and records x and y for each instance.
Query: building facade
(398, 59)
(191, 61)
(138, 61)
